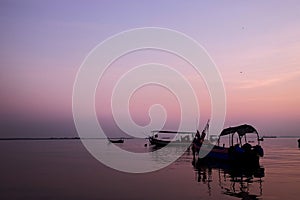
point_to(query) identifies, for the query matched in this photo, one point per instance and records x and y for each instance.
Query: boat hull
(162, 143)
(232, 155)
(116, 141)
(157, 142)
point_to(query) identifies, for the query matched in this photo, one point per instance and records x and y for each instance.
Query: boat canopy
(241, 130)
(176, 132)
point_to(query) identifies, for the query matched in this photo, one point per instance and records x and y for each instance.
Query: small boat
(162, 138)
(116, 140)
(239, 147)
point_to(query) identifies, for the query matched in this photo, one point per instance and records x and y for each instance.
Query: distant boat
(240, 151)
(116, 140)
(162, 138)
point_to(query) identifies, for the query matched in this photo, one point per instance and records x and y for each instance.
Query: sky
(255, 46)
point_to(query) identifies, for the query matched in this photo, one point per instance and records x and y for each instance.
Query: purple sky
(43, 44)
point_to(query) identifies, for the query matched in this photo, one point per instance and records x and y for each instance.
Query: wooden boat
(238, 149)
(116, 140)
(162, 138)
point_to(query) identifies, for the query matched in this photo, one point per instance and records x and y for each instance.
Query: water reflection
(243, 183)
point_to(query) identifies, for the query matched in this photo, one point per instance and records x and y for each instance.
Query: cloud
(270, 81)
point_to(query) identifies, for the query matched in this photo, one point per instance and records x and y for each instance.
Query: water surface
(65, 170)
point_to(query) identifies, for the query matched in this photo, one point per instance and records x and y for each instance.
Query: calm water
(65, 170)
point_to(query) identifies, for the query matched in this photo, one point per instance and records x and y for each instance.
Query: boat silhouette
(121, 140)
(243, 145)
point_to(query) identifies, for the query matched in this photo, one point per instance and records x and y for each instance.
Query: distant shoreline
(61, 138)
(281, 136)
(78, 138)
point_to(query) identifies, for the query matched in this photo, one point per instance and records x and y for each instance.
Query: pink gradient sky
(255, 46)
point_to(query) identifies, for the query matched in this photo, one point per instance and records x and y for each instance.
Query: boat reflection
(243, 183)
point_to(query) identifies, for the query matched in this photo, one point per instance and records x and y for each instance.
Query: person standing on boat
(203, 134)
(197, 142)
(197, 136)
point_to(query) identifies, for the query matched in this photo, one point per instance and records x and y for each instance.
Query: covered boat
(163, 137)
(240, 144)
